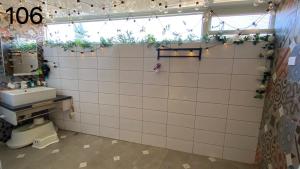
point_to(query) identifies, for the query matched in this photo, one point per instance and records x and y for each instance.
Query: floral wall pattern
(279, 139)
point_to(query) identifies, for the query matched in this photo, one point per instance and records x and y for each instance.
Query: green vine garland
(268, 53)
(152, 41)
(24, 47)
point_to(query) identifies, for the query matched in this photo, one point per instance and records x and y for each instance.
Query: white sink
(25, 96)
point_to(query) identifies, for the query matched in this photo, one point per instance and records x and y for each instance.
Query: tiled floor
(99, 153)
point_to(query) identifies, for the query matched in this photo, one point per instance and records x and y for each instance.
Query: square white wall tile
(208, 150)
(160, 78)
(61, 52)
(210, 124)
(241, 142)
(131, 63)
(109, 51)
(89, 97)
(108, 75)
(52, 59)
(183, 107)
(150, 52)
(131, 136)
(180, 133)
(88, 74)
(90, 108)
(109, 132)
(68, 62)
(155, 104)
(68, 73)
(109, 121)
(110, 99)
(154, 128)
(91, 119)
(183, 93)
(69, 84)
(55, 83)
(245, 98)
(184, 64)
(180, 145)
(155, 91)
(211, 110)
(129, 51)
(109, 87)
(247, 66)
(49, 52)
(131, 113)
(131, 101)
(182, 120)
(154, 140)
(88, 86)
(108, 63)
(221, 66)
(131, 89)
(251, 114)
(239, 155)
(155, 116)
(131, 76)
(214, 81)
(220, 51)
(248, 50)
(242, 128)
(209, 137)
(90, 129)
(150, 63)
(213, 96)
(245, 82)
(131, 125)
(54, 73)
(87, 53)
(109, 110)
(87, 62)
(183, 79)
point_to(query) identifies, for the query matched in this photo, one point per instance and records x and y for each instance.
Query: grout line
(118, 49)
(169, 60)
(146, 84)
(77, 67)
(228, 103)
(143, 94)
(195, 111)
(98, 106)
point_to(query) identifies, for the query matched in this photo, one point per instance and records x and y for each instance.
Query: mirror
(20, 57)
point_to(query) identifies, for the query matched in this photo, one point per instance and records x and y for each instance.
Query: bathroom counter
(30, 105)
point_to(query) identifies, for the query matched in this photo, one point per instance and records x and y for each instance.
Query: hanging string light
(197, 6)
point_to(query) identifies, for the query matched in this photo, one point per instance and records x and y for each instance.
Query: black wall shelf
(198, 50)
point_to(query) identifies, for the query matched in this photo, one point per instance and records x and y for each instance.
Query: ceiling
(84, 9)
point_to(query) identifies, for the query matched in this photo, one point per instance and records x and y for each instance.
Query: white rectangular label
(292, 61)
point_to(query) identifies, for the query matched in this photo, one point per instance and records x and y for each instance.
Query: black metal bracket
(179, 49)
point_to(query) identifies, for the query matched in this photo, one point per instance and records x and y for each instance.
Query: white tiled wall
(205, 107)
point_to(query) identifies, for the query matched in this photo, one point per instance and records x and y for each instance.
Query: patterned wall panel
(279, 138)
